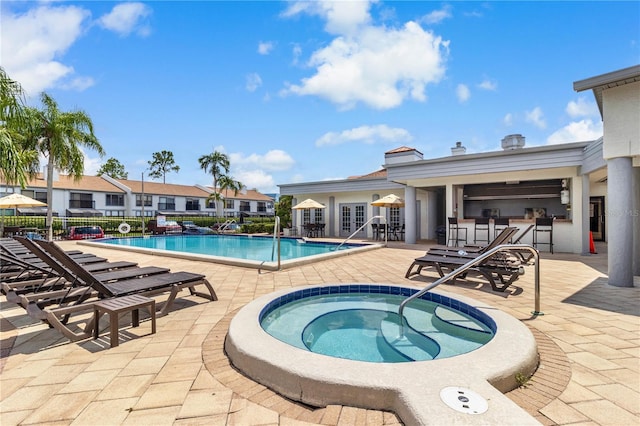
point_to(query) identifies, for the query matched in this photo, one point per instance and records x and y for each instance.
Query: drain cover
(464, 400)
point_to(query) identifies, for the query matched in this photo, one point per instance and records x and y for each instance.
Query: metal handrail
(473, 262)
(225, 225)
(276, 238)
(276, 243)
(364, 225)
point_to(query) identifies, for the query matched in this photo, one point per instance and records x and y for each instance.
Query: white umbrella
(390, 200)
(16, 200)
(308, 204)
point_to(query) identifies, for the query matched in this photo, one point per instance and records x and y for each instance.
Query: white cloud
(488, 85)
(342, 17)
(33, 42)
(378, 66)
(265, 47)
(463, 93)
(508, 119)
(536, 117)
(296, 52)
(577, 131)
(79, 84)
(274, 160)
(126, 18)
(257, 179)
(253, 82)
(365, 134)
(582, 108)
(437, 16)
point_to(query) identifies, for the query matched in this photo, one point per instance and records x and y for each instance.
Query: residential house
(105, 196)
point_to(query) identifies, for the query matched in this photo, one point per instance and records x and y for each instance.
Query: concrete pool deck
(588, 339)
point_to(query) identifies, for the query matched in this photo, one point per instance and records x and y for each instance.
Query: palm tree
(15, 160)
(218, 165)
(59, 136)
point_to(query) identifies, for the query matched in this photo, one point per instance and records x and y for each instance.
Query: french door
(352, 217)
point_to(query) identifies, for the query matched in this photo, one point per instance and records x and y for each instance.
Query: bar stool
(374, 228)
(481, 225)
(454, 232)
(543, 225)
(499, 225)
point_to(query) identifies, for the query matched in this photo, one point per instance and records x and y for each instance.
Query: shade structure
(308, 204)
(390, 200)
(16, 200)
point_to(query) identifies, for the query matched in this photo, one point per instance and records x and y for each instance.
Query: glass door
(596, 218)
(352, 217)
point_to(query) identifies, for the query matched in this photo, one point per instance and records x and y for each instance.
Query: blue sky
(308, 91)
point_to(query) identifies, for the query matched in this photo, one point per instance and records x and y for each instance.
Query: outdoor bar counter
(563, 239)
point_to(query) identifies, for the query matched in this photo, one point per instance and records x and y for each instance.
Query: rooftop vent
(458, 149)
(511, 142)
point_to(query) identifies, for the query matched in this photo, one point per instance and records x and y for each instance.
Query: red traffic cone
(592, 247)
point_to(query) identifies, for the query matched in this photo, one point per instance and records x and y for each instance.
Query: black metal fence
(111, 225)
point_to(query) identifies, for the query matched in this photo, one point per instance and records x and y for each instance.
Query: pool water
(366, 326)
(259, 248)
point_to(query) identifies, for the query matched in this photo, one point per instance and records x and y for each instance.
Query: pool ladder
(470, 264)
(226, 225)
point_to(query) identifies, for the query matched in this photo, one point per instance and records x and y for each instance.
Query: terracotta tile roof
(401, 149)
(249, 194)
(86, 183)
(157, 188)
(382, 173)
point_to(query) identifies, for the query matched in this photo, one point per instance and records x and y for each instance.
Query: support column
(585, 219)
(636, 221)
(410, 215)
(332, 217)
(620, 220)
(449, 197)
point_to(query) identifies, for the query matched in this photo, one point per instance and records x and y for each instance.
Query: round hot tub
(345, 344)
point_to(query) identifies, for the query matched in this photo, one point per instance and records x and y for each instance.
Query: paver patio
(588, 337)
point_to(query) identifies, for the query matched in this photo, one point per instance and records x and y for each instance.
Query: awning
(36, 211)
(183, 213)
(83, 212)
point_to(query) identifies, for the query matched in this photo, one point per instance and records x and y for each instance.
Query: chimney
(511, 142)
(458, 149)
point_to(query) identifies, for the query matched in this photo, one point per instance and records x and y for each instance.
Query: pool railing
(473, 262)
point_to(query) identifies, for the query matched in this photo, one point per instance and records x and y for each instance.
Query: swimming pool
(239, 250)
(364, 326)
(414, 389)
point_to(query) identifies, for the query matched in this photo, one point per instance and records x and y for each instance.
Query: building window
(148, 200)
(319, 216)
(229, 204)
(211, 204)
(114, 213)
(262, 207)
(36, 195)
(167, 203)
(79, 200)
(245, 206)
(193, 204)
(306, 216)
(147, 213)
(114, 200)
